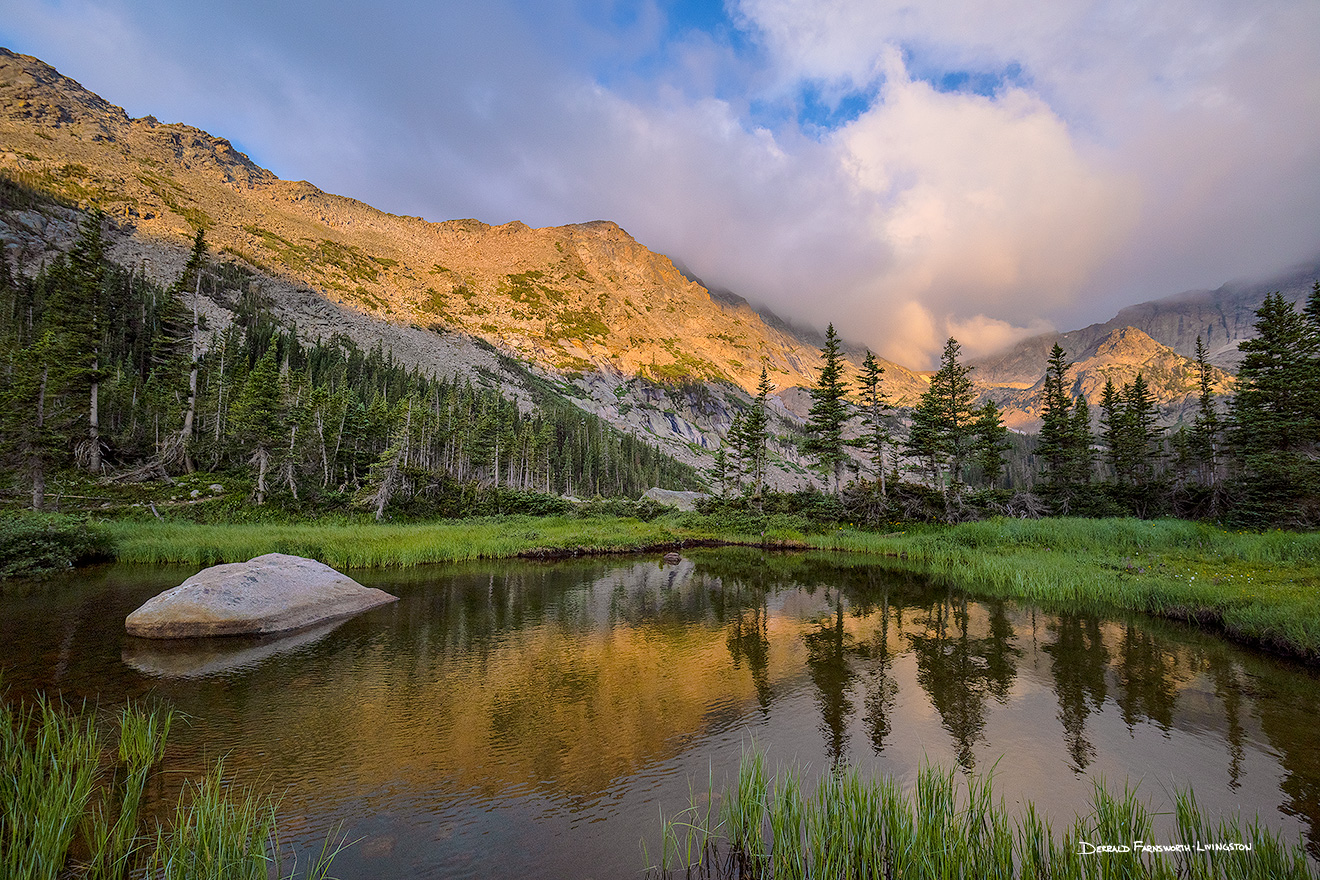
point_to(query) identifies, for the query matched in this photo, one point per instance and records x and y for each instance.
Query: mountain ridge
(586, 302)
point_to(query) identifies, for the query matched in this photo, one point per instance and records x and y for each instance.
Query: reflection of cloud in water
(202, 658)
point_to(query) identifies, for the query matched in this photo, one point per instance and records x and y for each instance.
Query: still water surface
(517, 718)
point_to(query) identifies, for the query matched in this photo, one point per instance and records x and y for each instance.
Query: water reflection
(538, 712)
(1079, 662)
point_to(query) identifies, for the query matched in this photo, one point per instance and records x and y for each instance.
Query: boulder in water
(269, 594)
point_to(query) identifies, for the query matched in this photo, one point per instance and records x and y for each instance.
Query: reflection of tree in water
(959, 672)
(1285, 704)
(1079, 663)
(1228, 688)
(748, 640)
(881, 689)
(827, 663)
(1146, 678)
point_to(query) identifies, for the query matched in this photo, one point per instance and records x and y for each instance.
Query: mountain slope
(577, 299)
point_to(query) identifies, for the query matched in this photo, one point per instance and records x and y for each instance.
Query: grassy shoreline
(1262, 588)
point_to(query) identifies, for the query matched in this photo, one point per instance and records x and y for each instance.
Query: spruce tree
(875, 403)
(258, 418)
(1275, 417)
(1143, 436)
(1082, 459)
(991, 441)
(1057, 446)
(943, 427)
(829, 413)
(755, 429)
(1203, 442)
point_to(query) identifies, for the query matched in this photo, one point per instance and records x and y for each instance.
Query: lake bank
(1261, 588)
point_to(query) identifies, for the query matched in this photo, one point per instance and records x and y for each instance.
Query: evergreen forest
(113, 377)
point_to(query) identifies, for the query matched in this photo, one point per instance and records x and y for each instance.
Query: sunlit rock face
(269, 594)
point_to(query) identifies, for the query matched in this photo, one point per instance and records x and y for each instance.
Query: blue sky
(984, 168)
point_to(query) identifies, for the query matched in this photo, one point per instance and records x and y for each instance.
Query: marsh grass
(1261, 588)
(64, 814)
(854, 828)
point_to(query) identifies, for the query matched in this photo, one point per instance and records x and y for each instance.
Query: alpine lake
(534, 719)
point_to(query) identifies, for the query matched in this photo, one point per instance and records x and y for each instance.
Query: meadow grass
(370, 545)
(857, 828)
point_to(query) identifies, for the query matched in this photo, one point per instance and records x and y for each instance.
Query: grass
(1261, 588)
(372, 545)
(65, 814)
(855, 828)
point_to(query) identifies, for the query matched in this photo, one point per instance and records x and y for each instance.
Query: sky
(986, 169)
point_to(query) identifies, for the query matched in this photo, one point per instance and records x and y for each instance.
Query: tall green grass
(1263, 588)
(854, 828)
(387, 545)
(65, 814)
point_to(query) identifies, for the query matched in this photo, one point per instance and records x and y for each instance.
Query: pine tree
(755, 427)
(1203, 443)
(1112, 431)
(1275, 416)
(1083, 460)
(258, 417)
(875, 403)
(991, 441)
(1143, 433)
(829, 413)
(943, 428)
(75, 310)
(1056, 448)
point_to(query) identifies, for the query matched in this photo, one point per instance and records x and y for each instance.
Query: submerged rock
(269, 594)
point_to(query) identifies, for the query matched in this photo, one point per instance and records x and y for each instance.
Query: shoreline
(1261, 589)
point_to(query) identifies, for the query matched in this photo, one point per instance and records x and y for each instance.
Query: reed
(55, 791)
(852, 827)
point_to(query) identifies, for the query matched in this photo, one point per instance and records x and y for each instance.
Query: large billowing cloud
(907, 171)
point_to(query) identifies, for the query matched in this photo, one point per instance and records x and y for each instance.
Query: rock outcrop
(269, 594)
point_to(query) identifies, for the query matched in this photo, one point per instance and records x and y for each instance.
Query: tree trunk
(262, 460)
(36, 459)
(94, 420)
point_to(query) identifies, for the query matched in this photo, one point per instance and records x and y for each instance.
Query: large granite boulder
(269, 594)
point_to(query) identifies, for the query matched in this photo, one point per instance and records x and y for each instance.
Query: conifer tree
(1082, 439)
(943, 422)
(991, 441)
(1275, 416)
(875, 403)
(259, 417)
(75, 311)
(755, 427)
(1057, 446)
(1203, 443)
(829, 413)
(1143, 433)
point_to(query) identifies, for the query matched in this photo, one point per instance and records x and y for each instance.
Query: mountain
(621, 330)
(1117, 356)
(584, 298)
(1223, 318)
